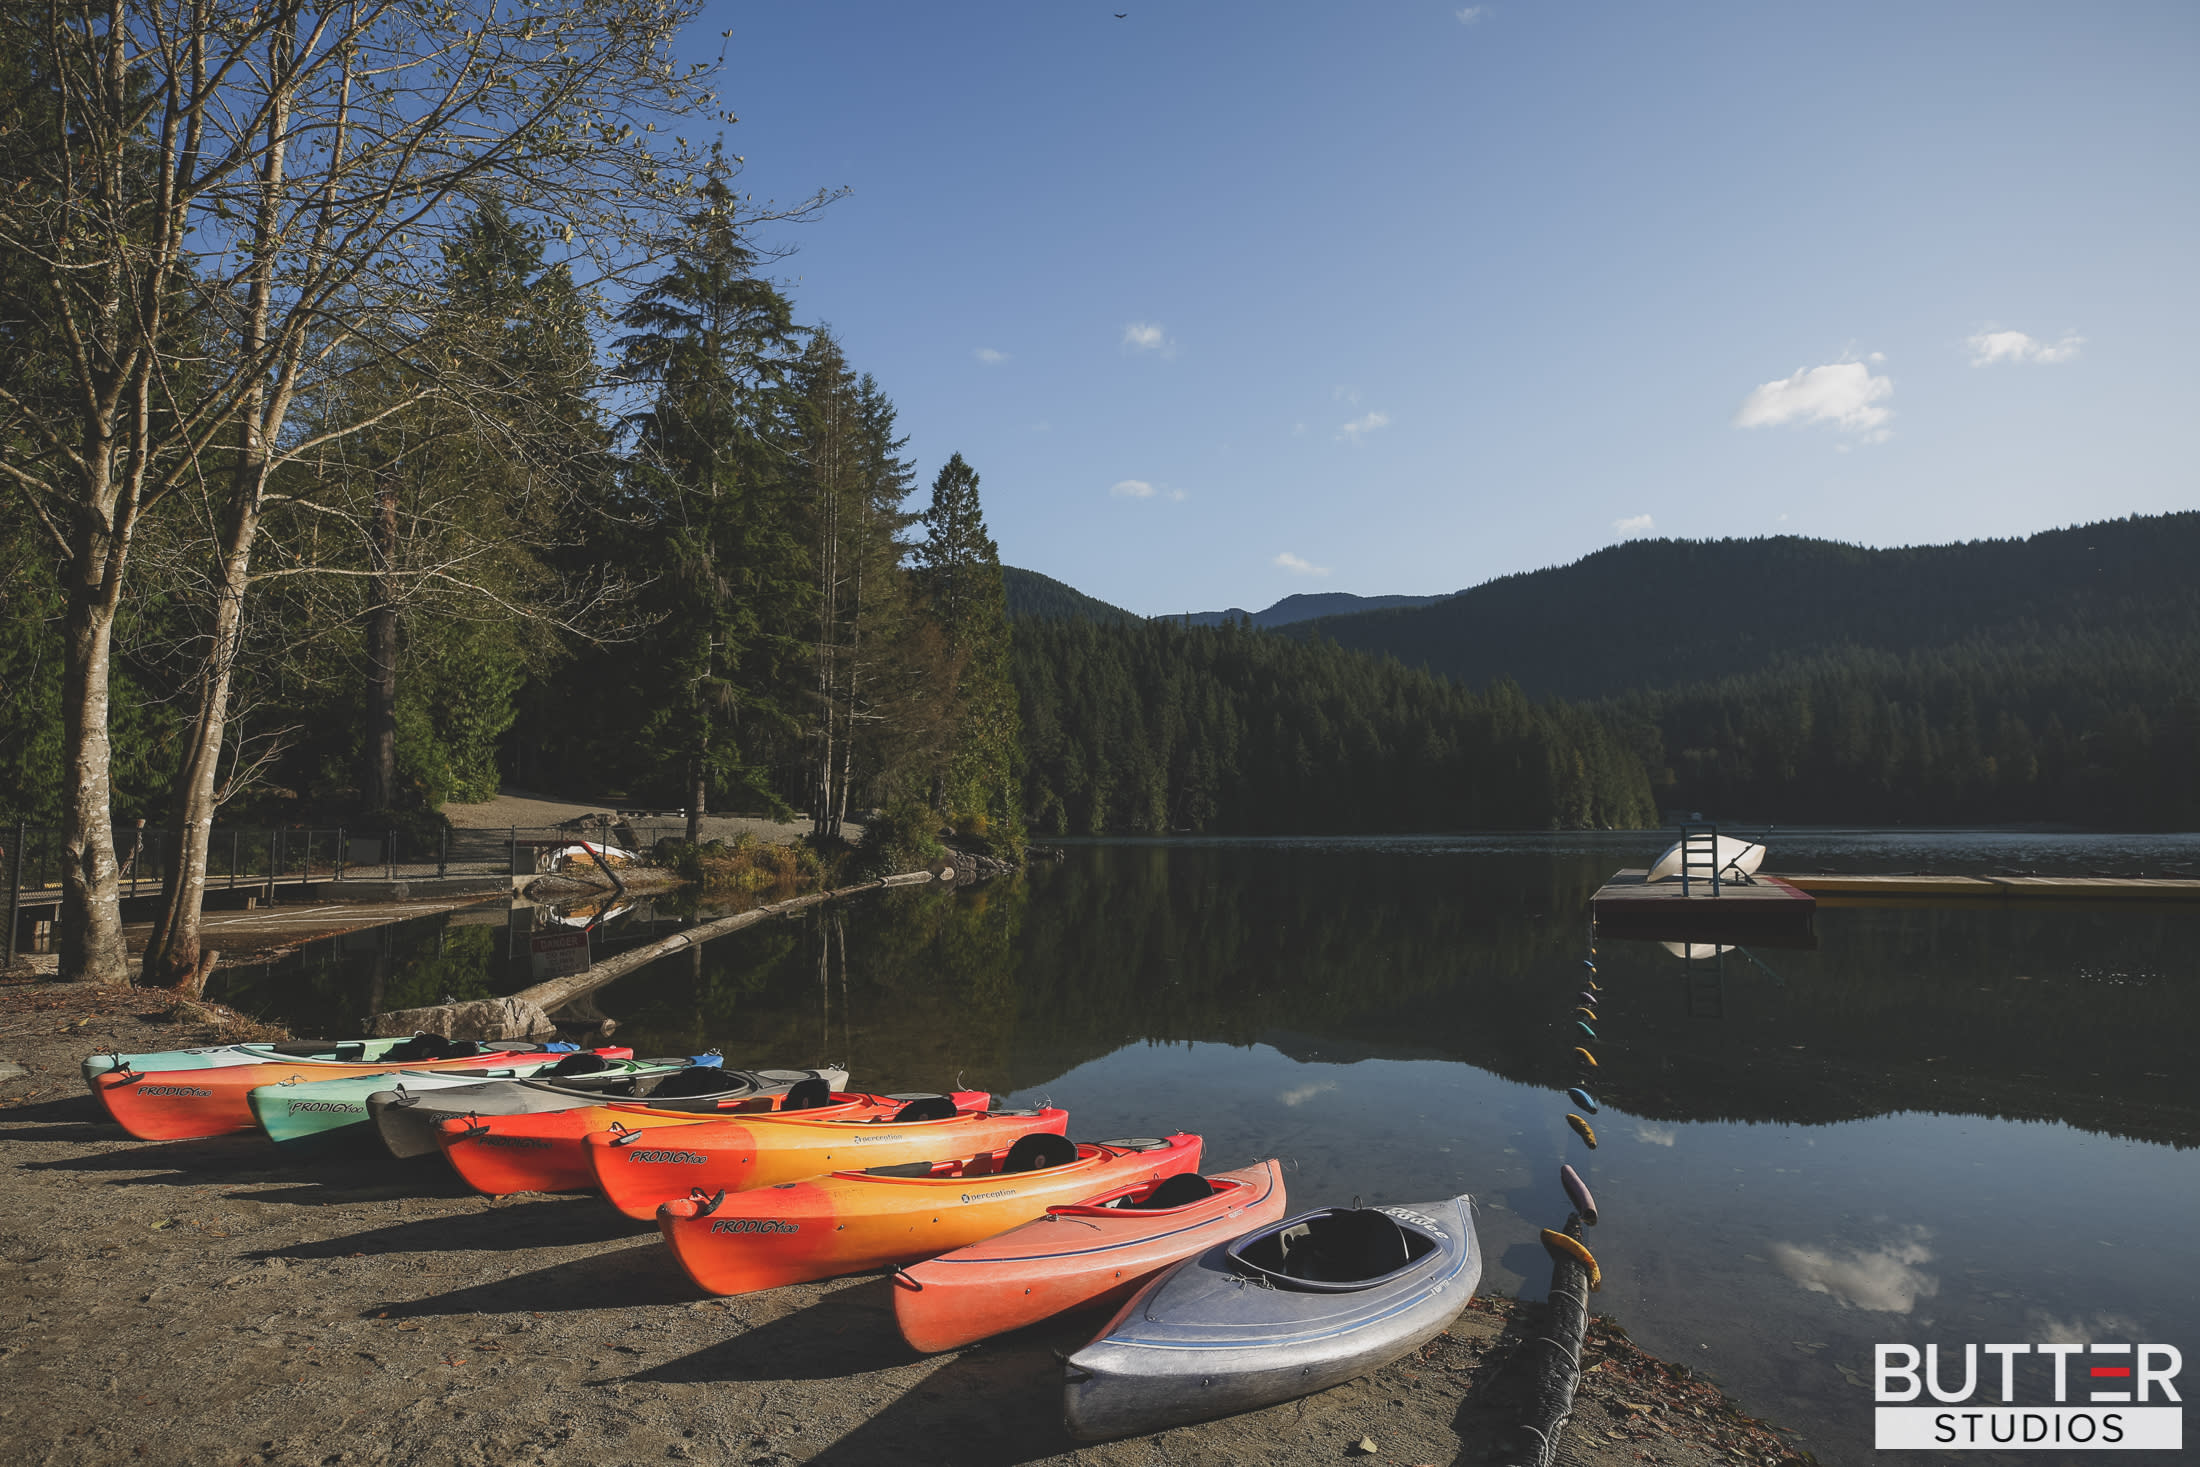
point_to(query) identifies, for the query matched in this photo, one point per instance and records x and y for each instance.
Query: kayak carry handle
(621, 1134)
(1073, 1373)
(903, 1278)
(705, 1206)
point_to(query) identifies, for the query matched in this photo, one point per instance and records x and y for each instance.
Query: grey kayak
(407, 1119)
(1309, 1303)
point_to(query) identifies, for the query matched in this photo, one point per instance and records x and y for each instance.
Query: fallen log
(526, 1014)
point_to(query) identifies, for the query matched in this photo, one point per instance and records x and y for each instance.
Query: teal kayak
(348, 1051)
(313, 1115)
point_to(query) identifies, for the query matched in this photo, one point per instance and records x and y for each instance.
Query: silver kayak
(406, 1118)
(1282, 1312)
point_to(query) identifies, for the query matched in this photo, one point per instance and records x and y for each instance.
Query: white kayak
(1736, 857)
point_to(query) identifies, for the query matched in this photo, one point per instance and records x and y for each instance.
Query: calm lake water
(1953, 1124)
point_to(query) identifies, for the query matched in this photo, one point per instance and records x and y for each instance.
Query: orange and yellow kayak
(1091, 1253)
(546, 1151)
(850, 1221)
(640, 1172)
(179, 1105)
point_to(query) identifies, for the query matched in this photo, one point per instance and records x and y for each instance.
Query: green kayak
(315, 1115)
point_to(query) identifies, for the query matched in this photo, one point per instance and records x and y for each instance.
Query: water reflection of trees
(2033, 1013)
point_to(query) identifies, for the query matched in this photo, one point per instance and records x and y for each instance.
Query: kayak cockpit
(1338, 1250)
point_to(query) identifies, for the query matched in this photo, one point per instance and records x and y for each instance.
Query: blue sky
(1227, 301)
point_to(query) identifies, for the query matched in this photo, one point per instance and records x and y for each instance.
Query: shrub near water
(746, 864)
(898, 838)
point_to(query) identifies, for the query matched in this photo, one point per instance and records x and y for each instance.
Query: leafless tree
(234, 197)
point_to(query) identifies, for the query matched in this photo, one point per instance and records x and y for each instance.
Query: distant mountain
(1304, 607)
(1031, 594)
(1661, 613)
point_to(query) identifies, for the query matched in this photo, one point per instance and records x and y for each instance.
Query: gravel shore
(213, 1302)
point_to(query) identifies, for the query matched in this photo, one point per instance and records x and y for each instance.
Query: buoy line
(1574, 1271)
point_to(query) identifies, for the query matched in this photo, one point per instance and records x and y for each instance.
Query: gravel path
(211, 1302)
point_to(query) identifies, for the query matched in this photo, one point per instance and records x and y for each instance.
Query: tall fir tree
(978, 785)
(716, 342)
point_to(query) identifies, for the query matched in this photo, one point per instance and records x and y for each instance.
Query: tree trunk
(378, 790)
(172, 953)
(698, 792)
(91, 886)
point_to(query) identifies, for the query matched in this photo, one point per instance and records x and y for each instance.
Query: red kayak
(850, 1221)
(1091, 1253)
(639, 1171)
(546, 1151)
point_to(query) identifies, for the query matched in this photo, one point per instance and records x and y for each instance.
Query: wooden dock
(1769, 910)
(1850, 891)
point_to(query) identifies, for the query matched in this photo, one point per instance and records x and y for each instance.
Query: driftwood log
(1553, 1361)
(526, 1014)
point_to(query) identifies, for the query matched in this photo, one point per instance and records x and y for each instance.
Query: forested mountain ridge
(1661, 613)
(1149, 728)
(1031, 594)
(1305, 606)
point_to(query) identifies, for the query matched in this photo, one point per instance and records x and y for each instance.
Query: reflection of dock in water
(1855, 891)
(1763, 909)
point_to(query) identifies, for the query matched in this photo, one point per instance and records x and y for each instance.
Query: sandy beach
(215, 1302)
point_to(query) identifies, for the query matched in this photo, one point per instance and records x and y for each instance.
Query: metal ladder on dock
(1699, 854)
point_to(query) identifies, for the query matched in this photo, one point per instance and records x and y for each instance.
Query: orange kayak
(545, 1151)
(1091, 1253)
(638, 1173)
(847, 1222)
(180, 1105)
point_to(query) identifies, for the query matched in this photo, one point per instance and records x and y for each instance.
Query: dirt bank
(211, 1302)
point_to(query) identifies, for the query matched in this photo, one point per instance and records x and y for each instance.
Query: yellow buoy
(1585, 1057)
(1562, 1245)
(1582, 1011)
(1582, 1129)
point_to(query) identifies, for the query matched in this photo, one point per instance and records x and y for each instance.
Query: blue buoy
(1583, 1099)
(1589, 963)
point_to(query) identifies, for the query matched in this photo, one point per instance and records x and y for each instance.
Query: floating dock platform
(1853, 891)
(1767, 910)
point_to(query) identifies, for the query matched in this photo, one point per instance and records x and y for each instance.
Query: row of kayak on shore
(989, 1218)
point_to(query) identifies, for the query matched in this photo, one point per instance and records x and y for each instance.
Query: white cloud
(1885, 1279)
(1305, 1093)
(1471, 14)
(1299, 567)
(1634, 524)
(1650, 1134)
(1989, 347)
(1365, 423)
(1042, 426)
(1131, 489)
(1845, 394)
(1346, 394)
(2082, 1330)
(990, 357)
(1148, 336)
